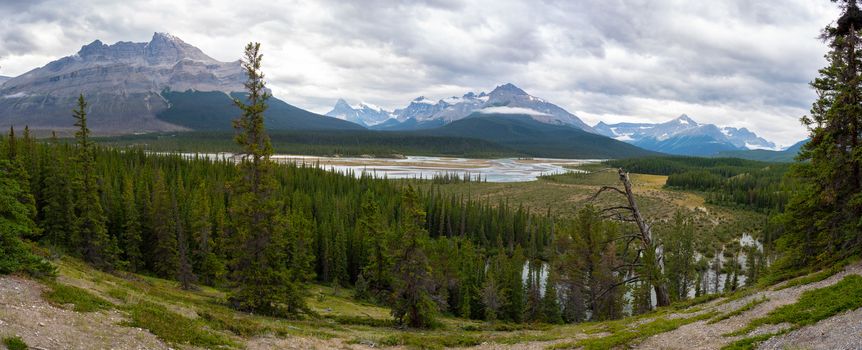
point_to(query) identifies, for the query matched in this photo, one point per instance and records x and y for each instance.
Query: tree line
(733, 182)
(821, 224)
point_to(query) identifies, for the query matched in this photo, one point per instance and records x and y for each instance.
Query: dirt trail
(41, 325)
(839, 332)
(24, 313)
(700, 335)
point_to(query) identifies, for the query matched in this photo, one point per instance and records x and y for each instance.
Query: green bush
(243, 327)
(174, 328)
(15, 343)
(84, 301)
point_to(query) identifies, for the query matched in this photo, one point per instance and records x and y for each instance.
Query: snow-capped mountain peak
(504, 99)
(508, 89)
(684, 120)
(365, 114)
(683, 135)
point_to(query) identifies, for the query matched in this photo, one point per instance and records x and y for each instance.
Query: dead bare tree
(648, 255)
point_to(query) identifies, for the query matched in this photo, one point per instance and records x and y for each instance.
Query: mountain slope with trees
(522, 133)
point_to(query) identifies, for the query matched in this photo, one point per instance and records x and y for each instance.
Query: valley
(131, 310)
(154, 196)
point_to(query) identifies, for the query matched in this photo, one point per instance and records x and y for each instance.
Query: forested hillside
(324, 143)
(748, 184)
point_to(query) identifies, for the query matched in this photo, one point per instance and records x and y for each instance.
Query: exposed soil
(700, 335)
(41, 325)
(24, 313)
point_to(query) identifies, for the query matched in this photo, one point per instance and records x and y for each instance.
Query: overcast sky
(730, 62)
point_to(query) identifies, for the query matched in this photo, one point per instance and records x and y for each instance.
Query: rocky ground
(24, 313)
(839, 332)
(41, 325)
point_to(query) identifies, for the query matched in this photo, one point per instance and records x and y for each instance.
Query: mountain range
(138, 87)
(524, 134)
(680, 136)
(364, 114)
(786, 155)
(4, 78)
(168, 85)
(684, 136)
(423, 113)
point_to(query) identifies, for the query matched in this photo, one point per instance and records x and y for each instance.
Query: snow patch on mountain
(365, 114)
(683, 135)
(504, 99)
(511, 110)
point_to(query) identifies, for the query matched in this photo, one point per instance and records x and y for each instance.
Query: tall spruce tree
(130, 236)
(822, 219)
(492, 295)
(679, 257)
(412, 302)
(370, 226)
(551, 311)
(58, 210)
(203, 255)
(91, 240)
(16, 222)
(165, 258)
(19, 173)
(262, 280)
(17, 213)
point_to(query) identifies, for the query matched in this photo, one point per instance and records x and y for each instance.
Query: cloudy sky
(730, 62)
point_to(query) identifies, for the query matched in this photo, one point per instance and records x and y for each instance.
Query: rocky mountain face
(3, 79)
(684, 136)
(505, 99)
(363, 114)
(123, 83)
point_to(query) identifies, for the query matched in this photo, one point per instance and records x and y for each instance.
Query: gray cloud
(737, 62)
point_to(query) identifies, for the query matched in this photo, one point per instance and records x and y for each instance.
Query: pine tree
(588, 259)
(185, 273)
(130, 236)
(31, 161)
(822, 218)
(361, 291)
(533, 308)
(91, 233)
(679, 255)
(340, 276)
(16, 222)
(492, 300)
(412, 304)
(19, 173)
(165, 253)
(58, 211)
(371, 229)
(516, 296)
(204, 259)
(262, 280)
(300, 246)
(551, 312)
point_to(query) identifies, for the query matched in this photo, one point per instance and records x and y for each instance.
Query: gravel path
(297, 343)
(24, 313)
(838, 332)
(700, 335)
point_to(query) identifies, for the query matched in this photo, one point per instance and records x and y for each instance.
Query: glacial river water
(491, 170)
